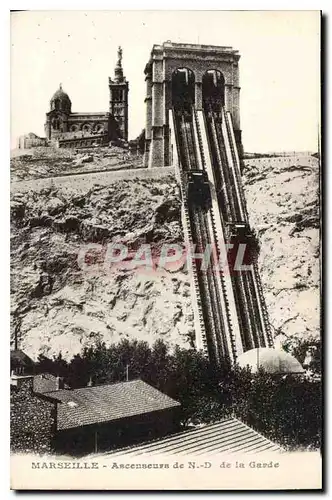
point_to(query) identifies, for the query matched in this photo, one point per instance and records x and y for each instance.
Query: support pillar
(146, 155)
(148, 130)
(148, 119)
(236, 108)
(198, 96)
(167, 98)
(229, 97)
(156, 156)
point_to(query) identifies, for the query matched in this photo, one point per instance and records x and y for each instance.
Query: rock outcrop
(283, 203)
(56, 306)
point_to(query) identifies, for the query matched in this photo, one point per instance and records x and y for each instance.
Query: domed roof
(271, 360)
(60, 94)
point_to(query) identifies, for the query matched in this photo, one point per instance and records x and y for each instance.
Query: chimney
(57, 383)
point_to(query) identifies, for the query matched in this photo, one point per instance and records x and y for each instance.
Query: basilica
(68, 129)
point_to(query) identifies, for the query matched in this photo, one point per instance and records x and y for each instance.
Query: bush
(285, 409)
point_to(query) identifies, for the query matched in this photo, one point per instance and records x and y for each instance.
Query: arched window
(99, 128)
(86, 127)
(183, 88)
(213, 89)
(56, 124)
(117, 95)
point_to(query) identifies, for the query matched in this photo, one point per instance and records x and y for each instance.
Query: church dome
(61, 101)
(271, 360)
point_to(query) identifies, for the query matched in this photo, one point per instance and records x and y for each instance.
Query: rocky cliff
(58, 307)
(283, 202)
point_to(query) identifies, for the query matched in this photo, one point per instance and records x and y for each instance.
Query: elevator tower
(198, 67)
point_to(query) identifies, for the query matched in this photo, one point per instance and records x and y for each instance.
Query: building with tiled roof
(20, 363)
(227, 436)
(106, 403)
(130, 418)
(80, 421)
(46, 382)
(108, 416)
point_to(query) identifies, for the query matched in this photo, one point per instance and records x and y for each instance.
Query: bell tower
(119, 88)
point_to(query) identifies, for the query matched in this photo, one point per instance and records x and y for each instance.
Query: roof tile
(227, 436)
(90, 405)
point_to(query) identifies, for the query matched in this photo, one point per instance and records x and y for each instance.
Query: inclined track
(244, 288)
(213, 299)
(252, 312)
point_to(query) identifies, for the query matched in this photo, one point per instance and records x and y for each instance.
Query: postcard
(165, 250)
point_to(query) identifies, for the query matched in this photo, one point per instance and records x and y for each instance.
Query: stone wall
(26, 142)
(32, 420)
(83, 141)
(83, 181)
(282, 161)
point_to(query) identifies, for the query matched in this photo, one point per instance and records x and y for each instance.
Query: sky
(279, 66)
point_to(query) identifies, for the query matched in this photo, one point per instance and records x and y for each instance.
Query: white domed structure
(271, 360)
